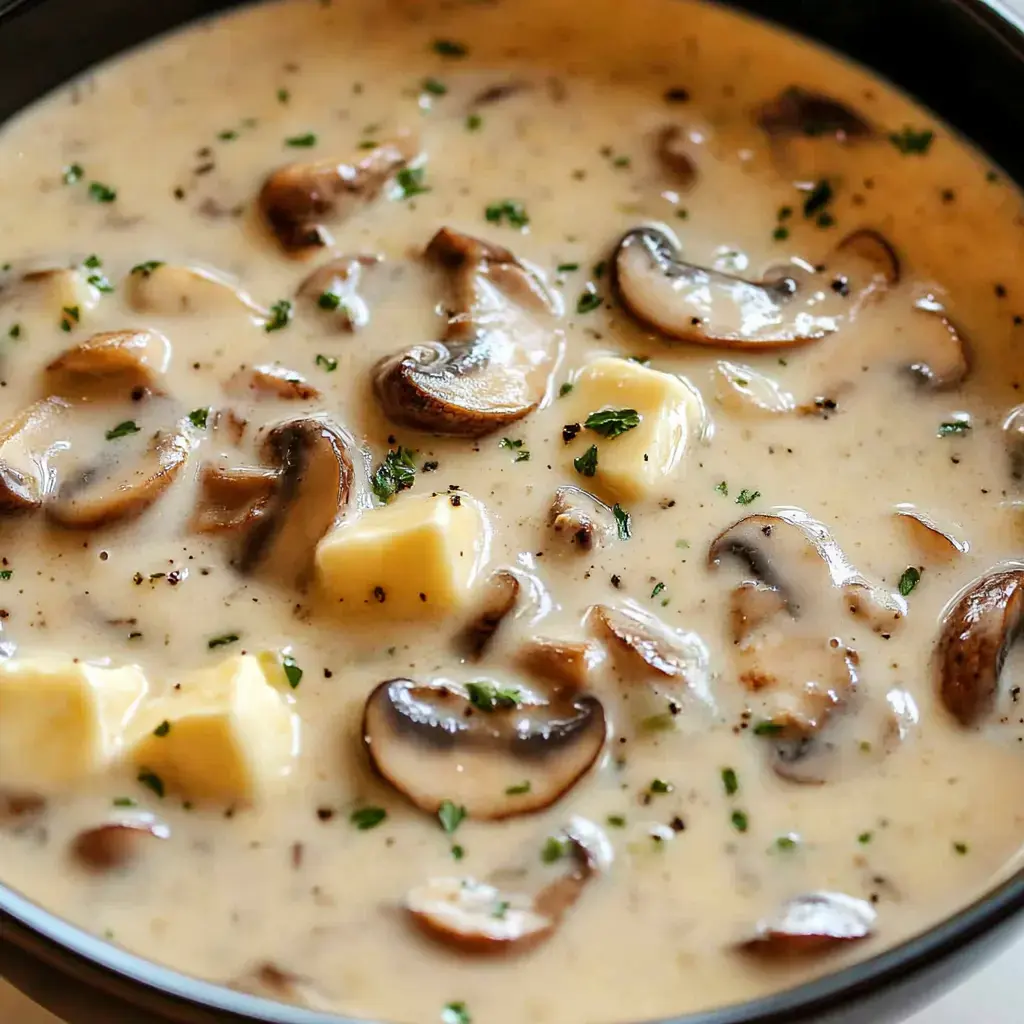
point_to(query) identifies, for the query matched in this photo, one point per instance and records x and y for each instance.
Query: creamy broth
(533, 126)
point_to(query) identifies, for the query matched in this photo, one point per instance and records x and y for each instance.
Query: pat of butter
(224, 734)
(62, 720)
(639, 462)
(418, 557)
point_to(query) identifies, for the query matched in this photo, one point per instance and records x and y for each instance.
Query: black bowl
(962, 58)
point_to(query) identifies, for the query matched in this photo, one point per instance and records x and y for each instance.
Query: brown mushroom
(977, 632)
(672, 151)
(113, 364)
(20, 808)
(270, 381)
(933, 540)
(666, 651)
(946, 353)
(27, 442)
(117, 844)
(497, 752)
(568, 663)
(269, 981)
(334, 288)
(231, 498)
(810, 924)
(743, 389)
(299, 201)
(1013, 427)
(499, 598)
(874, 250)
(492, 366)
(500, 91)
(167, 289)
(313, 486)
(581, 519)
(800, 112)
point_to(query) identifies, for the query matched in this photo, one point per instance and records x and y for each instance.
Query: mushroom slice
(269, 981)
(231, 499)
(812, 923)
(872, 248)
(499, 598)
(664, 650)
(491, 368)
(124, 483)
(586, 522)
(313, 486)
(270, 381)
(800, 112)
(334, 288)
(117, 844)
(710, 307)
(112, 364)
(167, 289)
(1013, 427)
(977, 631)
(568, 663)
(946, 353)
(475, 917)
(299, 201)
(498, 752)
(743, 389)
(934, 540)
(27, 441)
(20, 808)
(672, 150)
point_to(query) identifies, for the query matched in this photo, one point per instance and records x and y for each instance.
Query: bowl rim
(115, 970)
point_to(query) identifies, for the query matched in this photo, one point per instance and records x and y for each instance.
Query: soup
(518, 498)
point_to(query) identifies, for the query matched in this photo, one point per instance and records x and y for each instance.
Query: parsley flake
(147, 268)
(586, 464)
(162, 729)
(102, 193)
(554, 848)
(292, 672)
(434, 87)
(222, 641)
(301, 141)
(740, 821)
(746, 497)
(123, 430)
(909, 140)
(730, 781)
(509, 211)
(909, 580)
(519, 789)
(455, 1013)
(612, 422)
(396, 473)
(280, 316)
(152, 781)
(199, 418)
(954, 428)
(72, 173)
(487, 697)
(450, 816)
(450, 48)
(623, 522)
(410, 182)
(588, 301)
(365, 818)
(329, 363)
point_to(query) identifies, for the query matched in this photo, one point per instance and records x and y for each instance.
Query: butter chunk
(62, 720)
(418, 557)
(224, 734)
(639, 462)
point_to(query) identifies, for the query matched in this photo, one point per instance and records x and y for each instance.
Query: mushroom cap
(117, 844)
(812, 923)
(801, 112)
(168, 289)
(270, 381)
(113, 364)
(433, 744)
(946, 357)
(341, 277)
(231, 498)
(26, 443)
(568, 663)
(978, 628)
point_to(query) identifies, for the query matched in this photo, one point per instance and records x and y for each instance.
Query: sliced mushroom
(666, 651)
(742, 389)
(334, 289)
(800, 112)
(20, 808)
(117, 844)
(492, 366)
(498, 758)
(946, 353)
(568, 663)
(269, 981)
(672, 150)
(584, 521)
(873, 249)
(299, 201)
(113, 364)
(932, 539)
(977, 632)
(232, 499)
(812, 923)
(478, 918)
(499, 598)
(27, 441)
(1013, 427)
(124, 483)
(227, 424)
(313, 486)
(167, 289)
(270, 381)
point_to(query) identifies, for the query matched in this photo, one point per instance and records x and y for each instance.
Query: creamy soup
(510, 509)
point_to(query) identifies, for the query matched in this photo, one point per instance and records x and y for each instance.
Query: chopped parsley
(329, 300)
(864, 838)
(586, 464)
(222, 641)
(565, 389)
(283, 95)
(554, 848)
(228, 135)
(396, 473)
(474, 122)
(961, 848)
(71, 316)
(72, 173)
(162, 729)
(15, 331)
(612, 422)
(909, 140)
(623, 521)
(280, 316)
(787, 842)
(434, 87)
(767, 728)
(6, 574)
(329, 363)
(660, 786)
(450, 816)
(519, 789)
(458, 852)
(102, 193)
(516, 445)
(658, 588)
(722, 488)
(122, 430)
(199, 418)
(509, 211)
(450, 48)
(455, 1013)
(147, 268)
(301, 141)
(818, 198)
(124, 801)
(909, 580)
(616, 820)
(746, 497)
(410, 182)
(780, 234)
(953, 427)
(730, 781)
(292, 672)
(365, 818)
(589, 300)
(487, 697)
(740, 821)
(567, 268)
(152, 781)
(500, 909)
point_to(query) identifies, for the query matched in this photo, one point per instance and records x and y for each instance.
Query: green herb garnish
(519, 789)
(957, 427)
(740, 821)
(588, 301)
(746, 497)
(612, 422)
(396, 473)
(199, 418)
(365, 818)
(292, 672)
(102, 193)
(450, 48)
(488, 697)
(450, 816)
(72, 173)
(329, 363)
(510, 211)
(152, 781)
(122, 430)
(586, 464)
(909, 140)
(554, 848)
(909, 580)
(162, 729)
(730, 781)
(410, 182)
(623, 521)
(280, 316)
(222, 641)
(147, 268)
(301, 141)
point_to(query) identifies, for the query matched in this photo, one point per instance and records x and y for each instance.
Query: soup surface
(630, 389)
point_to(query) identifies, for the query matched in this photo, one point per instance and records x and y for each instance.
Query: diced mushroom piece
(124, 482)
(26, 443)
(1013, 427)
(743, 389)
(113, 364)
(672, 150)
(269, 981)
(568, 663)
(232, 498)
(873, 249)
(334, 289)
(313, 486)
(813, 923)
(229, 426)
(491, 368)
(168, 289)
(501, 591)
(117, 844)
(584, 521)
(933, 540)
(666, 651)
(498, 752)
(800, 112)
(299, 201)
(945, 360)
(19, 808)
(478, 918)
(977, 633)
(270, 381)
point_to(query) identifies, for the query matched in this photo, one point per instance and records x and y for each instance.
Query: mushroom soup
(516, 497)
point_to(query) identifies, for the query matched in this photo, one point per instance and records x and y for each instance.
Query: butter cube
(224, 734)
(418, 557)
(638, 462)
(62, 720)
